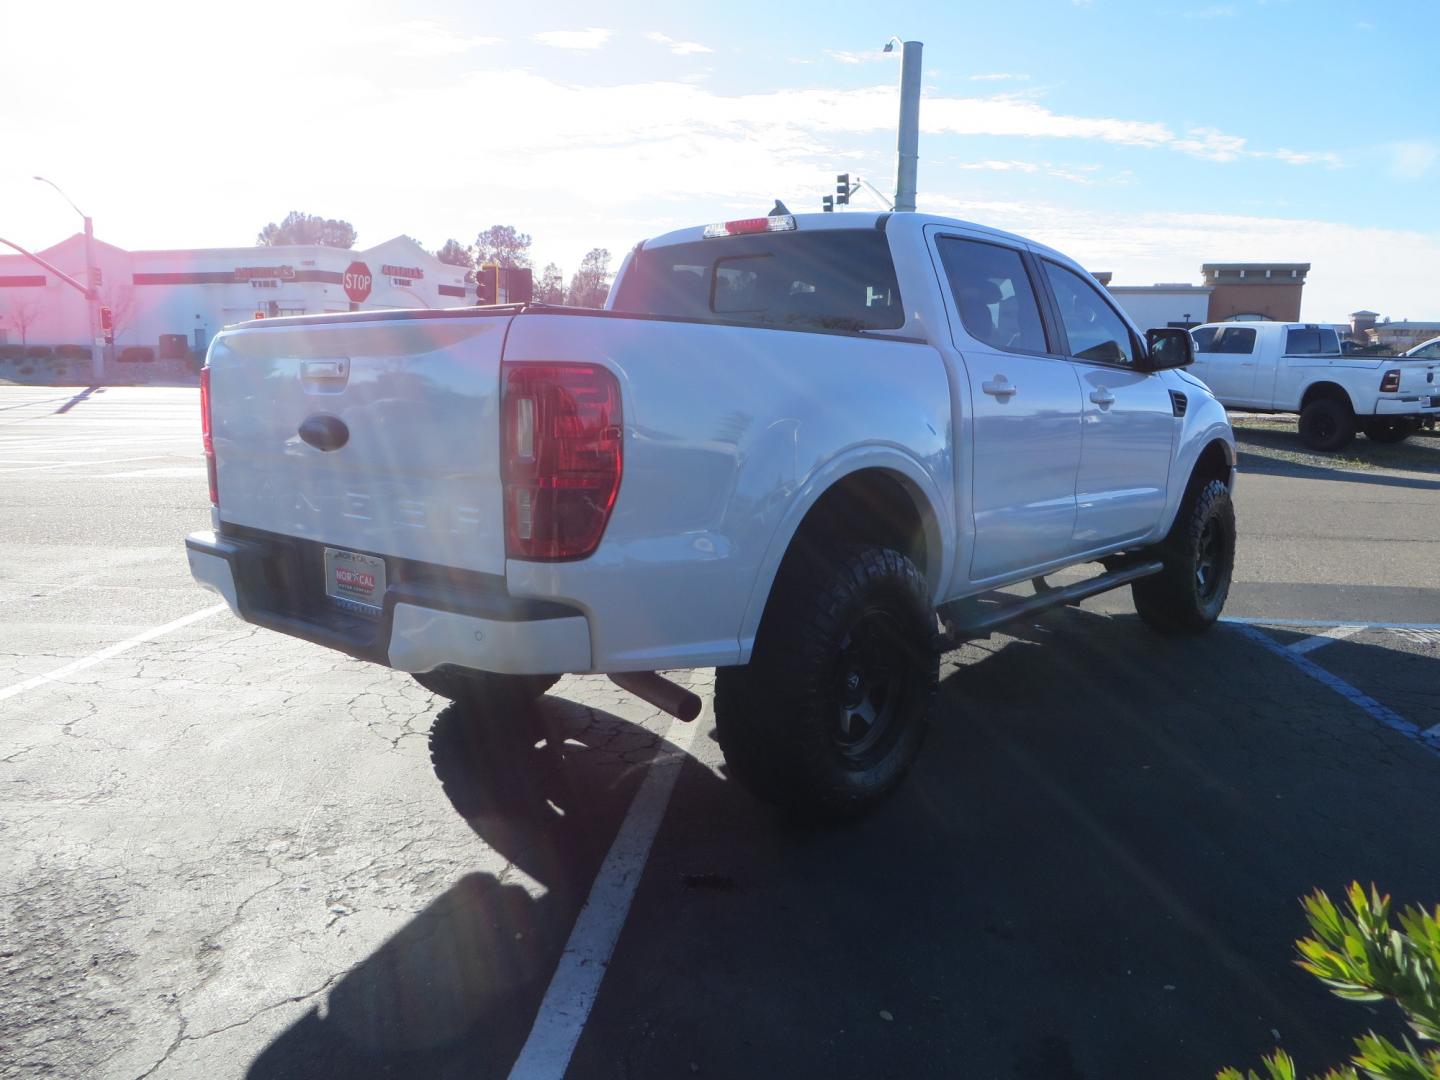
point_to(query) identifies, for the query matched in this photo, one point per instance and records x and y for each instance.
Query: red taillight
(560, 458)
(206, 436)
(1390, 384)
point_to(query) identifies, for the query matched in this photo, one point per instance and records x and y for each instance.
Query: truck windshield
(824, 280)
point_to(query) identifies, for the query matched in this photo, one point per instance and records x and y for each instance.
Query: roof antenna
(779, 209)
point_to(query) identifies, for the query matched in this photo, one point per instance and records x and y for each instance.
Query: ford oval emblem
(325, 432)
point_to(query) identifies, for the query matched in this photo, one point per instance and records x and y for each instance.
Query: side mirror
(1168, 347)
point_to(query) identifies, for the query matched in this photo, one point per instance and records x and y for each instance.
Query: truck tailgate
(415, 408)
(1417, 376)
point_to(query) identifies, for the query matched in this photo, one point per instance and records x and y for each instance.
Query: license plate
(355, 579)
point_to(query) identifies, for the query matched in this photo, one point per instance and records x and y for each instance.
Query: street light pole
(908, 144)
(97, 354)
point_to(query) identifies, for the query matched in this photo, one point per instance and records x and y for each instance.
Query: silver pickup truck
(792, 448)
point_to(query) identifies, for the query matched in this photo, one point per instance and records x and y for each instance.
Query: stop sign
(356, 282)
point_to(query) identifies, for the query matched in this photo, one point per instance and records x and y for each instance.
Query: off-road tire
(1327, 424)
(835, 702)
(484, 688)
(1395, 430)
(1199, 554)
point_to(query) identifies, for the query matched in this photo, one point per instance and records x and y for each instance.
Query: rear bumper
(430, 617)
(1409, 405)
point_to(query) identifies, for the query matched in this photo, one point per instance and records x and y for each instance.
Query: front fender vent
(1178, 401)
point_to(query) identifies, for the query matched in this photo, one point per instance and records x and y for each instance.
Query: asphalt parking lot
(226, 853)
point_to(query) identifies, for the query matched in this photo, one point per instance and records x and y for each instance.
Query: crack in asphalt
(182, 1036)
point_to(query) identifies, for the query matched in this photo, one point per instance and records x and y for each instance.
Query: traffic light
(107, 325)
(842, 189)
(487, 283)
(828, 204)
(519, 284)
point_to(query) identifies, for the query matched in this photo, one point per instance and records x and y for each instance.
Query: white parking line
(1325, 637)
(73, 464)
(568, 1000)
(1361, 700)
(107, 653)
(1242, 620)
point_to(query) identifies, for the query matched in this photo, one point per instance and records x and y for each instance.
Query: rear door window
(993, 294)
(832, 279)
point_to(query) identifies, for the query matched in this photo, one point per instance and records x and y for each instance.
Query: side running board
(979, 616)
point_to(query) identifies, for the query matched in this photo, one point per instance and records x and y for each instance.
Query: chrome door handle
(1102, 397)
(1000, 387)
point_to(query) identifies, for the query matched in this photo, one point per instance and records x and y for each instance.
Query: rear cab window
(1311, 341)
(832, 279)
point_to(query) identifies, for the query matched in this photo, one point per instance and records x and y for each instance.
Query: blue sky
(1142, 138)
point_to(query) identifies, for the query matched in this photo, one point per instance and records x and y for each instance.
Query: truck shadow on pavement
(1091, 873)
(455, 991)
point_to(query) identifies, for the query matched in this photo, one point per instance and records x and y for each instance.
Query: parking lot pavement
(228, 853)
(1091, 873)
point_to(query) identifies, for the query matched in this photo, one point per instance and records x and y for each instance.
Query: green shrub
(137, 354)
(72, 352)
(38, 352)
(1360, 956)
(27, 370)
(12, 352)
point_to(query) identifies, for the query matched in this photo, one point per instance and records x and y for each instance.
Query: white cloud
(1296, 157)
(874, 56)
(1016, 116)
(1075, 174)
(999, 166)
(1412, 160)
(1211, 144)
(585, 40)
(679, 48)
(419, 37)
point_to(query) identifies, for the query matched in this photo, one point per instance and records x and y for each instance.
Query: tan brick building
(1255, 290)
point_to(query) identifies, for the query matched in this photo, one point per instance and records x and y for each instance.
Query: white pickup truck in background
(1299, 368)
(790, 448)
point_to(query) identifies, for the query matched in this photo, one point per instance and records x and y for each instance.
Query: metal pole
(908, 145)
(97, 351)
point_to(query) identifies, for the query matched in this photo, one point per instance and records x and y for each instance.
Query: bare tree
(504, 245)
(23, 313)
(120, 299)
(550, 288)
(300, 228)
(592, 281)
(456, 254)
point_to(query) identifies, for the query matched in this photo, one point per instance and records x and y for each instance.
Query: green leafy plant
(1361, 956)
